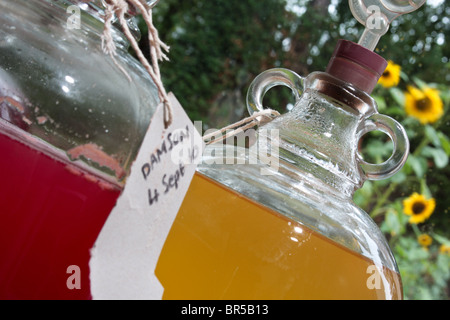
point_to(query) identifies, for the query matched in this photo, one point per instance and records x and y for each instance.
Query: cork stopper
(356, 65)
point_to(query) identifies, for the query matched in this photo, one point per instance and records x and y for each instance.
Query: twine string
(119, 8)
(256, 119)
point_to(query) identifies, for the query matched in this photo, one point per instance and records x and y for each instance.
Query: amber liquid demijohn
(225, 246)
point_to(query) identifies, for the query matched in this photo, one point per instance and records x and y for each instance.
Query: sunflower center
(418, 207)
(423, 104)
(386, 73)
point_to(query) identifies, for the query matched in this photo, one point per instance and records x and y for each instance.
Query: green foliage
(425, 271)
(217, 45)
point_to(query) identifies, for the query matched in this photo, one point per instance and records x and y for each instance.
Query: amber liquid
(224, 246)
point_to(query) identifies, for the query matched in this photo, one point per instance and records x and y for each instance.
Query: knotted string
(119, 8)
(256, 119)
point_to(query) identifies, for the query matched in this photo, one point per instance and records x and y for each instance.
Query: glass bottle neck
(319, 138)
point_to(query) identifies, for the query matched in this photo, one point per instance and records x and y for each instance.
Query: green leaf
(381, 103)
(441, 239)
(445, 142)
(395, 111)
(418, 164)
(442, 263)
(431, 134)
(399, 177)
(424, 293)
(404, 76)
(439, 156)
(421, 84)
(424, 189)
(418, 253)
(367, 189)
(403, 218)
(378, 149)
(363, 195)
(393, 223)
(398, 95)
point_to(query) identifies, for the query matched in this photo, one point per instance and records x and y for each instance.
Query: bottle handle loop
(269, 79)
(397, 133)
(280, 76)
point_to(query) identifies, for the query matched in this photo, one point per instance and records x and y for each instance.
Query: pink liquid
(51, 213)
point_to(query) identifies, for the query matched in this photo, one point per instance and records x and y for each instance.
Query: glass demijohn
(270, 214)
(71, 124)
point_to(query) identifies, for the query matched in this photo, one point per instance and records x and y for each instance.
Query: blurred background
(219, 46)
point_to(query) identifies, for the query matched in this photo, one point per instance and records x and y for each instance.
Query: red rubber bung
(357, 65)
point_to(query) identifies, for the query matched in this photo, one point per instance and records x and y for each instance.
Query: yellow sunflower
(444, 249)
(424, 105)
(424, 240)
(390, 76)
(418, 207)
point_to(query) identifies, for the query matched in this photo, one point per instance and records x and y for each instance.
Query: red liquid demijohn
(51, 212)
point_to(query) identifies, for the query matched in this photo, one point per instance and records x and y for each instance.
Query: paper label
(127, 250)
